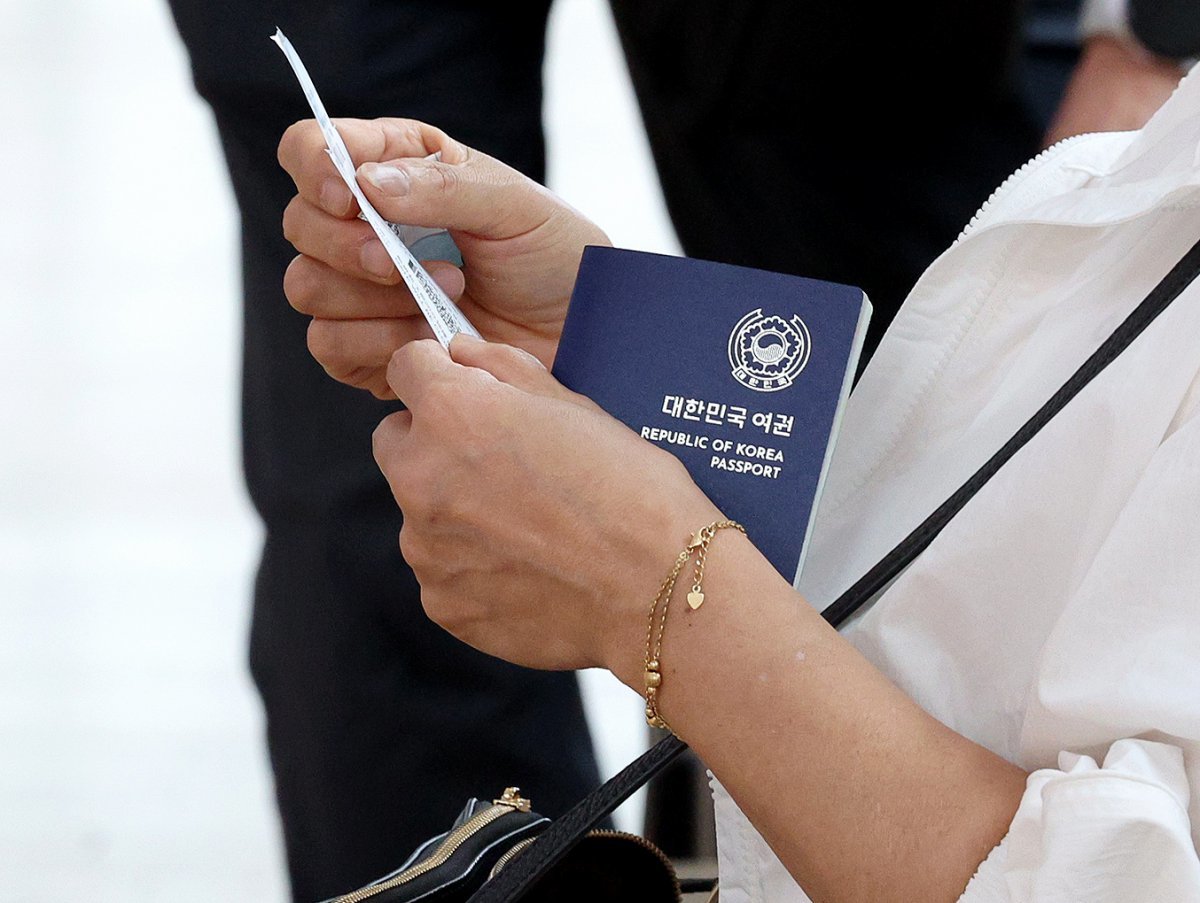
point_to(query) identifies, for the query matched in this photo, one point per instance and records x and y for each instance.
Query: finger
(302, 154)
(349, 246)
(514, 366)
(507, 363)
(357, 352)
(317, 289)
(451, 279)
(477, 195)
(387, 443)
(417, 370)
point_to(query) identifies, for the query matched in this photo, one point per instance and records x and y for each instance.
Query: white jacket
(1056, 621)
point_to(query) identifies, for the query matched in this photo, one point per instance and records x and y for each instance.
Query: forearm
(540, 529)
(862, 794)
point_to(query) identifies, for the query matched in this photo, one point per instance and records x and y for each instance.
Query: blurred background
(131, 757)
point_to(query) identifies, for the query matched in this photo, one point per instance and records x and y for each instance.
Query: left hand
(520, 243)
(538, 526)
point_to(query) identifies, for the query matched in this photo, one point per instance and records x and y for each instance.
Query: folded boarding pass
(442, 314)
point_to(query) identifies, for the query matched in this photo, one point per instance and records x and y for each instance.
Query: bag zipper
(510, 801)
(510, 856)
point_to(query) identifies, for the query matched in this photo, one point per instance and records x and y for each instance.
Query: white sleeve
(1118, 682)
(1119, 833)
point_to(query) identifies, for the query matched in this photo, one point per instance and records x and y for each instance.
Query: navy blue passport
(741, 373)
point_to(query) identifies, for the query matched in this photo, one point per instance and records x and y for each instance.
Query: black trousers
(379, 724)
(811, 138)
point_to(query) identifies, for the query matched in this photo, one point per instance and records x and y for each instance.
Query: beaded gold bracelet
(698, 546)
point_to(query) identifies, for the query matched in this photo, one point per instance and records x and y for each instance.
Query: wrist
(746, 608)
(656, 540)
(693, 558)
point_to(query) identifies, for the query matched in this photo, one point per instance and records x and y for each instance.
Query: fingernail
(335, 197)
(375, 258)
(389, 179)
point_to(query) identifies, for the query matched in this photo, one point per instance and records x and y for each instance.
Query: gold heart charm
(695, 599)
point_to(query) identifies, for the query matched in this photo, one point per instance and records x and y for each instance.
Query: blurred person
(805, 138)
(379, 725)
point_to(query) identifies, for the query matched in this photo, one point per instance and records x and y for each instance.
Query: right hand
(520, 243)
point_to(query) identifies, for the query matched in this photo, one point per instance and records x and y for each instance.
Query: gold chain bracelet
(697, 545)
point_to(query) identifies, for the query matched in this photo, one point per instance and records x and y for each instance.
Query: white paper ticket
(443, 315)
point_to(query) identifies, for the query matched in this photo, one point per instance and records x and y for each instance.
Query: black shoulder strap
(512, 883)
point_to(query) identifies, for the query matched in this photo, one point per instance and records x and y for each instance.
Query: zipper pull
(513, 799)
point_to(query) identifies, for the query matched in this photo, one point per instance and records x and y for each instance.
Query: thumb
(478, 195)
(416, 369)
(511, 365)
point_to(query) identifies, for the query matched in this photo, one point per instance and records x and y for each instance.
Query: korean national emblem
(768, 353)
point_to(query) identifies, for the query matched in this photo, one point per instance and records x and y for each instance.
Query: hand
(1115, 87)
(538, 527)
(520, 244)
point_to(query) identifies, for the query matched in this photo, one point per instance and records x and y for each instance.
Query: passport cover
(741, 373)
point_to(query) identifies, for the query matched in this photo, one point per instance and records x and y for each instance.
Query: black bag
(604, 866)
(518, 855)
